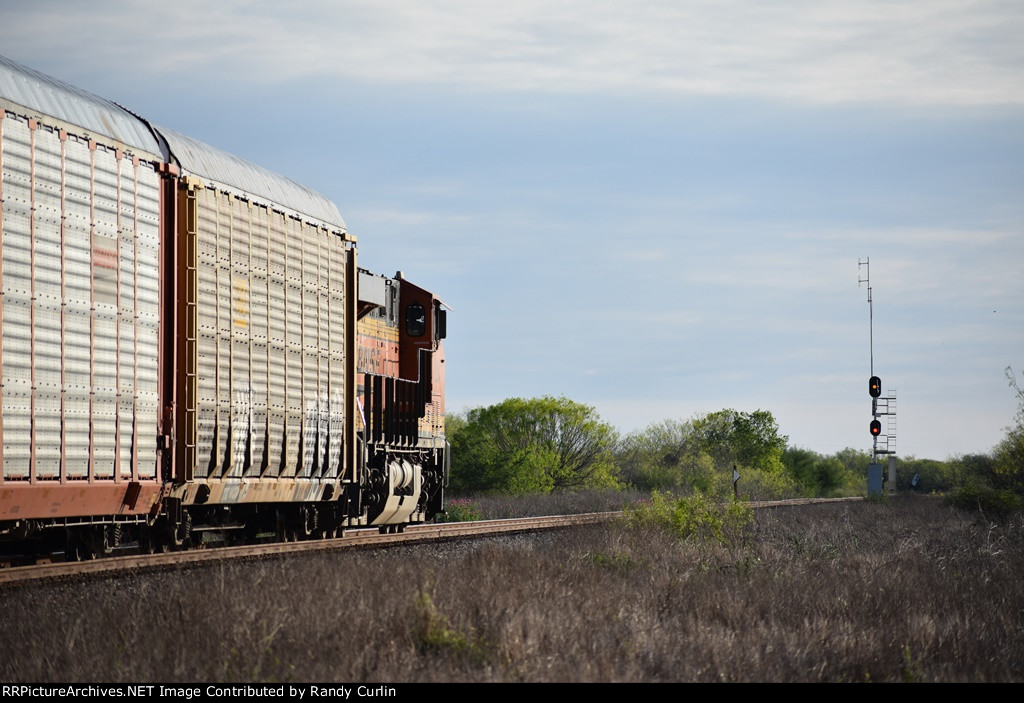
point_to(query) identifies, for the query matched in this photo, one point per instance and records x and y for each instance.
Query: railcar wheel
(250, 532)
(286, 531)
(327, 528)
(307, 521)
(95, 542)
(146, 542)
(112, 537)
(181, 534)
(72, 546)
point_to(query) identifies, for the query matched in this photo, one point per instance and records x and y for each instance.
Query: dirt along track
(353, 538)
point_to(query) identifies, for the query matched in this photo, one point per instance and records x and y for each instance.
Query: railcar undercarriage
(400, 487)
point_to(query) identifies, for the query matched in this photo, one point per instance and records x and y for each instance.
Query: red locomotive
(187, 344)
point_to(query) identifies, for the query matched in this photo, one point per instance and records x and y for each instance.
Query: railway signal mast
(880, 406)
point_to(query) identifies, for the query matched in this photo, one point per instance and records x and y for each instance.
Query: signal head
(874, 386)
(876, 428)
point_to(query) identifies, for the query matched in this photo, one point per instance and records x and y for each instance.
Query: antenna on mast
(871, 308)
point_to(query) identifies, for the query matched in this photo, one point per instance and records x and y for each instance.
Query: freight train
(188, 346)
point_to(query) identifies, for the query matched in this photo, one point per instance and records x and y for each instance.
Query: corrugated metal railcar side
(265, 351)
(79, 308)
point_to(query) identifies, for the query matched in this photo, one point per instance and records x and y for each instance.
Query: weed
(434, 632)
(911, 670)
(836, 592)
(462, 510)
(619, 562)
(695, 517)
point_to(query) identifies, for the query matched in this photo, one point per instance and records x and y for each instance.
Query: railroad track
(353, 539)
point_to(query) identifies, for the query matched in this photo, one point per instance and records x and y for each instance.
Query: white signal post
(871, 345)
(875, 391)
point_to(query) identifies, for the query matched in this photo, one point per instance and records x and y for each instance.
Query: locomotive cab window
(415, 320)
(441, 316)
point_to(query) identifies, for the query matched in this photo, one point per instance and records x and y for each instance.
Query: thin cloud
(368, 216)
(552, 172)
(934, 51)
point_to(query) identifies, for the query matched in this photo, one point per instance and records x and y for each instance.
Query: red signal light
(876, 428)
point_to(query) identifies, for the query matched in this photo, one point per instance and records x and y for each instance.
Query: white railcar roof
(43, 96)
(227, 169)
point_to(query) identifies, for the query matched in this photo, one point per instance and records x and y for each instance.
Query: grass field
(905, 589)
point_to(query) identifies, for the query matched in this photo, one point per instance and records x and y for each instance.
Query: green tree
(666, 456)
(1008, 455)
(994, 484)
(934, 476)
(749, 439)
(854, 461)
(973, 467)
(801, 463)
(534, 445)
(1009, 459)
(821, 476)
(700, 453)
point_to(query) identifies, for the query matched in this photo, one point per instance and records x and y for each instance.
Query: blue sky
(654, 208)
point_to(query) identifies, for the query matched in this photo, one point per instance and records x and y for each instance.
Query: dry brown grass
(907, 590)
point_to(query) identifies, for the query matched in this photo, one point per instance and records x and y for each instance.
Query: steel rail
(353, 538)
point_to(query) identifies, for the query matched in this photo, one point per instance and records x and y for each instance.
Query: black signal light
(876, 428)
(874, 386)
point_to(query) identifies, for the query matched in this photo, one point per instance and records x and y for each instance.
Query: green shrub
(695, 517)
(991, 501)
(765, 485)
(462, 510)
